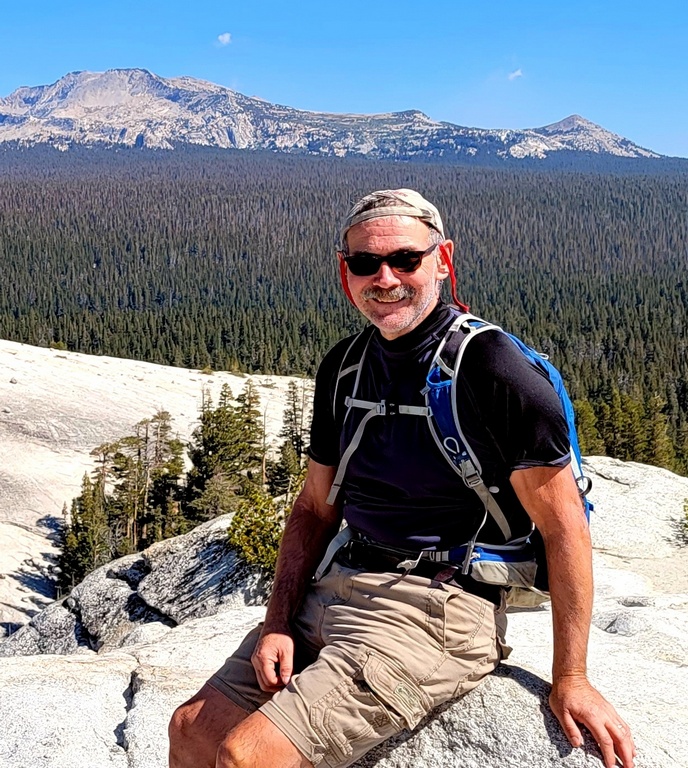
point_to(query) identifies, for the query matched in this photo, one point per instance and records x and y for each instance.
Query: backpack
(518, 563)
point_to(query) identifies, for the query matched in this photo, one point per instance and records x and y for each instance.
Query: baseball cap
(392, 202)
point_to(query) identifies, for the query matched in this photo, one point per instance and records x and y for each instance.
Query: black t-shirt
(399, 489)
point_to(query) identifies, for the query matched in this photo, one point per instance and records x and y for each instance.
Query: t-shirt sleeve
(324, 446)
(521, 410)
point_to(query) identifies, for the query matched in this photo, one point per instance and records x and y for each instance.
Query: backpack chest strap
(383, 408)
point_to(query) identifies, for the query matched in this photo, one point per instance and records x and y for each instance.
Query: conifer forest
(220, 259)
(139, 491)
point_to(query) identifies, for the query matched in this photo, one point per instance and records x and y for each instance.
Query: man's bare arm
(310, 527)
(550, 497)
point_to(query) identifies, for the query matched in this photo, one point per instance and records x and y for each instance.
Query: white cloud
(224, 39)
(515, 74)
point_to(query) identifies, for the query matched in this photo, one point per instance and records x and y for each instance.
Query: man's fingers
(614, 740)
(266, 672)
(273, 661)
(575, 701)
(285, 671)
(571, 730)
(624, 746)
(606, 745)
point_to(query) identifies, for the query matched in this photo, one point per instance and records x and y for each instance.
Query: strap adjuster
(469, 474)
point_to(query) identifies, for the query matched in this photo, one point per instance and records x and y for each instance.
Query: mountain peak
(571, 123)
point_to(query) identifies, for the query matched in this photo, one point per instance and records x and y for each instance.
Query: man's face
(396, 302)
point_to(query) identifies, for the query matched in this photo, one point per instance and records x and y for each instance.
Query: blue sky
(494, 64)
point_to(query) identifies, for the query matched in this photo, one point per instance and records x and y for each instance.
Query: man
(347, 661)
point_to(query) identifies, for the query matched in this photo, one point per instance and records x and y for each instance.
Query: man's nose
(385, 277)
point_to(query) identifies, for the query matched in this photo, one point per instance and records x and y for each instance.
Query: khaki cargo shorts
(375, 653)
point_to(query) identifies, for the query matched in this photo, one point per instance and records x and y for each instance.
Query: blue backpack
(519, 563)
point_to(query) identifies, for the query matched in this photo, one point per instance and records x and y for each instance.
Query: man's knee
(198, 727)
(181, 722)
(184, 737)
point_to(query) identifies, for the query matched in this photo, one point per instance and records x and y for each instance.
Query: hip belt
(377, 558)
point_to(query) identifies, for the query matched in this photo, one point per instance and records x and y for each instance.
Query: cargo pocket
(460, 615)
(401, 698)
(379, 701)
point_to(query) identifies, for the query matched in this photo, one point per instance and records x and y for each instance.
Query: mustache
(389, 294)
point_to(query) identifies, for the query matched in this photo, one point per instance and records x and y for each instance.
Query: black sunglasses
(365, 264)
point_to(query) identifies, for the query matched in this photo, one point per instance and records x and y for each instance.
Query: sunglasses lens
(363, 265)
(405, 261)
(367, 264)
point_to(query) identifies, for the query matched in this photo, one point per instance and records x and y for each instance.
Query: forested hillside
(226, 259)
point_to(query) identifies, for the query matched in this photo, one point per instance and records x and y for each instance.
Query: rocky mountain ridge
(134, 107)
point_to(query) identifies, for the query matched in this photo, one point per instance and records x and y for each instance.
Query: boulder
(505, 722)
(199, 574)
(139, 596)
(109, 608)
(53, 630)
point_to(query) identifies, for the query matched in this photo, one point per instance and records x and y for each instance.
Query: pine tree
(250, 450)
(256, 530)
(163, 517)
(295, 416)
(282, 474)
(87, 543)
(131, 481)
(227, 454)
(660, 449)
(634, 437)
(590, 442)
(146, 470)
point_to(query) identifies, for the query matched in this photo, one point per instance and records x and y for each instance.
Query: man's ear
(344, 278)
(445, 252)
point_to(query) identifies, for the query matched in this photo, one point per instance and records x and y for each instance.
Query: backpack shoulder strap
(352, 363)
(443, 417)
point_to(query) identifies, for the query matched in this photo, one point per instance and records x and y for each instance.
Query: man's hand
(273, 660)
(574, 700)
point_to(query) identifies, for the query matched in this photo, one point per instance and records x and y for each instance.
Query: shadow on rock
(53, 528)
(39, 581)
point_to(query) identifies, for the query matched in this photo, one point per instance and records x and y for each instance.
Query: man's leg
(210, 731)
(220, 725)
(257, 743)
(199, 726)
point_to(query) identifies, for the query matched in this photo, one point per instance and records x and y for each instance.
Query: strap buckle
(469, 474)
